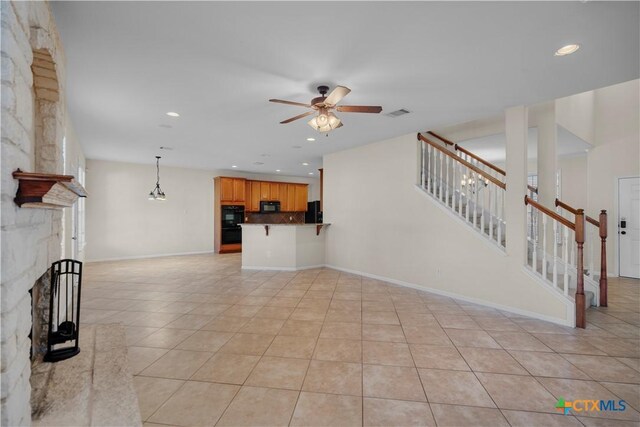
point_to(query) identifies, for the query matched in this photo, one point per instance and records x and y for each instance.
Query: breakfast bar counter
(286, 247)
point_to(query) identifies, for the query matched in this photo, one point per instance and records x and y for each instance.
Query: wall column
(547, 166)
(516, 131)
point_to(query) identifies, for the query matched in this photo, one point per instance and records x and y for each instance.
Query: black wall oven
(231, 217)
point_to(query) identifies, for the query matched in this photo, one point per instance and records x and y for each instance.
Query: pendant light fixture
(157, 193)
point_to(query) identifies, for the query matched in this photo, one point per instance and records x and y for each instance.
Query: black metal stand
(64, 310)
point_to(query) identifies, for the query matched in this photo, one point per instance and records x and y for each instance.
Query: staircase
(465, 186)
(473, 190)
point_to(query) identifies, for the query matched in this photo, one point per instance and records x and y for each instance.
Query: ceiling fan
(326, 120)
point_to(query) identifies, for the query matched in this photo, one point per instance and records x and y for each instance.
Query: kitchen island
(287, 247)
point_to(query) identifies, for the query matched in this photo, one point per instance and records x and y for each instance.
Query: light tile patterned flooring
(213, 345)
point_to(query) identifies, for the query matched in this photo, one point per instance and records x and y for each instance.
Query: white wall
(616, 154)
(122, 223)
(573, 189)
(383, 225)
(576, 114)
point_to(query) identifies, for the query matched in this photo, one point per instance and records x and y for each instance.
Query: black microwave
(269, 207)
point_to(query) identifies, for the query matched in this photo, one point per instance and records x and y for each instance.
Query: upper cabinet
(254, 196)
(300, 198)
(232, 190)
(292, 197)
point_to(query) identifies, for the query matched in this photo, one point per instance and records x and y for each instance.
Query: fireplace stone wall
(33, 118)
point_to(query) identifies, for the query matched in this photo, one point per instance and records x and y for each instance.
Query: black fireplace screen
(64, 310)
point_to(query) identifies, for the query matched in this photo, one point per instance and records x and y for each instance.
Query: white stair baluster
(565, 251)
(441, 173)
(459, 186)
(446, 195)
(555, 254)
(544, 247)
(490, 204)
(534, 244)
(466, 193)
(475, 199)
(424, 164)
(431, 167)
(499, 215)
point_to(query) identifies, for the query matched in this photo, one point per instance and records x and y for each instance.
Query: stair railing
(565, 261)
(472, 158)
(593, 234)
(472, 193)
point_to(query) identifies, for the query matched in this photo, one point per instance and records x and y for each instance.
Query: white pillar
(547, 163)
(516, 130)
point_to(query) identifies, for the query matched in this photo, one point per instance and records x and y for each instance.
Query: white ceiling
(493, 148)
(217, 64)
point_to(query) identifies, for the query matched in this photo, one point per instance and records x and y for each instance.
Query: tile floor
(210, 344)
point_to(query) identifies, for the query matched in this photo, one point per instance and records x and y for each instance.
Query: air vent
(258, 163)
(397, 113)
(166, 148)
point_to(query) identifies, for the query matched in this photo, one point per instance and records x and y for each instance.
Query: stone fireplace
(33, 129)
(40, 297)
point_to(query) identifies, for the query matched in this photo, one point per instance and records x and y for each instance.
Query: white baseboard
(563, 322)
(149, 256)
(310, 267)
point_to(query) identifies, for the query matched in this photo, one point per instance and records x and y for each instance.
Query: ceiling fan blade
(359, 109)
(336, 95)
(297, 117)
(299, 104)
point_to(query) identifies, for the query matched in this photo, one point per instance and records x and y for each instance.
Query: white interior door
(629, 226)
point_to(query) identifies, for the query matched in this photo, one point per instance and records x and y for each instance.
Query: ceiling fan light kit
(326, 121)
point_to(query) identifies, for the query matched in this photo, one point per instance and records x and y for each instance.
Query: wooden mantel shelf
(47, 191)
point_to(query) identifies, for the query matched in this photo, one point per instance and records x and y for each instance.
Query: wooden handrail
(562, 220)
(468, 153)
(445, 140)
(532, 188)
(574, 211)
(481, 160)
(464, 162)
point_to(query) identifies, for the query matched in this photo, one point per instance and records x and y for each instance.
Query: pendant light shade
(157, 193)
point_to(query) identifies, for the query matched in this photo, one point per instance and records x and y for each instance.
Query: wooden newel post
(581, 320)
(603, 258)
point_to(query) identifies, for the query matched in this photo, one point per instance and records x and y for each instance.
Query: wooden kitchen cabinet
(274, 191)
(254, 196)
(239, 193)
(300, 197)
(291, 198)
(226, 189)
(282, 194)
(232, 190)
(265, 190)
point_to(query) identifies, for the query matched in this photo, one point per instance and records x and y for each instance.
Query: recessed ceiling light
(277, 170)
(173, 114)
(234, 166)
(567, 50)
(310, 173)
(311, 139)
(305, 164)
